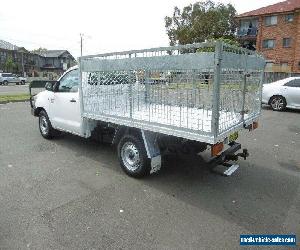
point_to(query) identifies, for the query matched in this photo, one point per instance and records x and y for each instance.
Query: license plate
(233, 137)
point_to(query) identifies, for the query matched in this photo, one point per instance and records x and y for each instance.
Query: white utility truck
(207, 94)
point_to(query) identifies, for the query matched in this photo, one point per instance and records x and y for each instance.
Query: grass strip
(14, 98)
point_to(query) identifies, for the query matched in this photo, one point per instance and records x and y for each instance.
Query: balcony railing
(247, 32)
(278, 68)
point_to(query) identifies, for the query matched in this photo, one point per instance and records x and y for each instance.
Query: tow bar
(220, 165)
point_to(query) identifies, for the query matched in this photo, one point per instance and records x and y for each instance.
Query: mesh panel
(174, 98)
(173, 90)
(240, 88)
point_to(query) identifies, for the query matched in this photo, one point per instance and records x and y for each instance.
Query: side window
(294, 83)
(69, 83)
(270, 20)
(269, 44)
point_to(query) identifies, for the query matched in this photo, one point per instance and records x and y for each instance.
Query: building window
(269, 44)
(286, 42)
(270, 20)
(289, 18)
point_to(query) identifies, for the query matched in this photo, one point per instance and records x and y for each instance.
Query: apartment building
(275, 32)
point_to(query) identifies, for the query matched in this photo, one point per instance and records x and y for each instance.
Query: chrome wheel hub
(130, 156)
(277, 103)
(44, 125)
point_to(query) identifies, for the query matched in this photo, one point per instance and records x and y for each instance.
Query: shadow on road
(254, 198)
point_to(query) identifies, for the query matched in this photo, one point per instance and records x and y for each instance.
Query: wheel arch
(38, 110)
(269, 102)
(124, 130)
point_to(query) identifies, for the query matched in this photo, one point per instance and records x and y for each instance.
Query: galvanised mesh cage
(199, 92)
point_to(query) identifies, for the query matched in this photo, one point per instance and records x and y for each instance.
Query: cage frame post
(216, 89)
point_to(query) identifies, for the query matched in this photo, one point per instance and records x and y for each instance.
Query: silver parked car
(6, 78)
(282, 94)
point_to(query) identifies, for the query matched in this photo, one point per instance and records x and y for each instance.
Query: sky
(108, 26)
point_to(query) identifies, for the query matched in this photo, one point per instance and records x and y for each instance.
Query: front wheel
(5, 82)
(133, 157)
(45, 125)
(278, 103)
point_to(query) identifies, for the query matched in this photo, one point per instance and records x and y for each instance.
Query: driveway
(70, 193)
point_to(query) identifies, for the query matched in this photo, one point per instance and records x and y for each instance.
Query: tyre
(278, 103)
(23, 82)
(45, 125)
(133, 157)
(18, 83)
(5, 82)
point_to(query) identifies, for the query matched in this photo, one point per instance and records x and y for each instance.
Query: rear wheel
(23, 82)
(5, 82)
(278, 103)
(133, 157)
(45, 125)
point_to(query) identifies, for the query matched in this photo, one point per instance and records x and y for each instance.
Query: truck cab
(60, 100)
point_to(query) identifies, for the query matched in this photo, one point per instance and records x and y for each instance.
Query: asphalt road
(13, 89)
(70, 193)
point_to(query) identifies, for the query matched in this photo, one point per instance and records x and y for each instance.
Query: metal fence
(270, 77)
(199, 92)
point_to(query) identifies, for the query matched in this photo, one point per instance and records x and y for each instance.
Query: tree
(39, 50)
(201, 21)
(9, 64)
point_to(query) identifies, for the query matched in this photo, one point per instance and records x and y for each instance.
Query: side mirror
(49, 86)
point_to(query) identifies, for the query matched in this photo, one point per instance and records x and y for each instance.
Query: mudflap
(152, 149)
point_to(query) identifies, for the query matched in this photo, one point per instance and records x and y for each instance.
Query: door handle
(72, 100)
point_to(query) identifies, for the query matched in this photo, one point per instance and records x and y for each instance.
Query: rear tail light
(217, 148)
(255, 125)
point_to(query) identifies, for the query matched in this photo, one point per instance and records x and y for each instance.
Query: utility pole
(81, 40)
(23, 71)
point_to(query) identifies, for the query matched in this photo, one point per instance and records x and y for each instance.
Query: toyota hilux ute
(213, 92)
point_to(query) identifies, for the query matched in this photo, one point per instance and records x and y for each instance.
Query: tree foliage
(224, 40)
(39, 50)
(201, 21)
(9, 64)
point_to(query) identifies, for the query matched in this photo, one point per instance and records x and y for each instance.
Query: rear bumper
(229, 154)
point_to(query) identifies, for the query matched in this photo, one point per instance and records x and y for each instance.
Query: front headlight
(34, 100)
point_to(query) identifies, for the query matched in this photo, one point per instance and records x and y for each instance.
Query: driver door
(64, 104)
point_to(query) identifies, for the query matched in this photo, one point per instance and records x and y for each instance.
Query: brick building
(275, 32)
